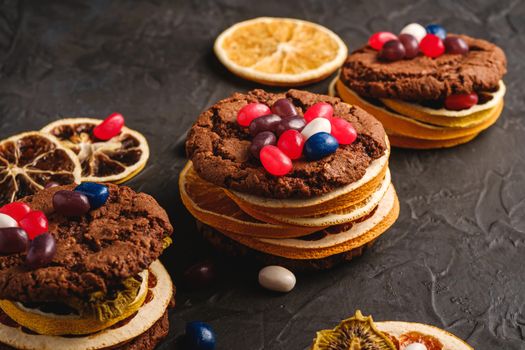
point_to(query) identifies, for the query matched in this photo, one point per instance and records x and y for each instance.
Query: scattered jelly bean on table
(320, 145)
(265, 123)
(13, 240)
(416, 30)
(377, 40)
(16, 210)
(7, 221)
(41, 251)
(461, 101)
(291, 143)
(315, 126)
(250, 112)
(275, 161)
(200, 275)
(277, 279)
(410, 44)
(290, 123)
(437, 30)
(51, 184)
(110, 127)
(97, 194)
(319, 110)
(456, 45)
(432, 46)
(71, 203)
(34, 223)
(343, 131)
(393, 50)
(416, 346)
(284, 108)
(265, 138)
(200, 336)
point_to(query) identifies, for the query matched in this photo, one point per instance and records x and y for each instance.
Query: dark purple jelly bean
(200, 275)
(295, 123)
(51, 184)
(410, 44)
(265, 123)
(455, 45)
(284, 108)
(265, 138)
(393, 50)
(13, 240)
(71, 203)
(41, 251)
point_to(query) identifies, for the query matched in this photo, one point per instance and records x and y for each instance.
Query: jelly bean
(16, 210)
(291, 143)
(7, 221)
(265, 123)
(320, 145)
(316, 126)
(277, 279)
(97, 194)
(275, 161)
(416, 30)
(51, 184)
(393, 50)
(200, 275)
(319, 110)
(34, 223)
(416, 346)
(71, 203)
(13, 240)
(41, 251)
(432, 46)
(291, 123)
(250, 112)
(199, 336)
(284, 108)
(461, 101)
(265, 138)
(110, 127)
(456, 45)
(343, 131)
(377, 40)
(410, 44)
(437, 30)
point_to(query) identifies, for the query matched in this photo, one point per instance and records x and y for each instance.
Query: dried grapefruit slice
(30, 160)
(280, 51)
(116, 160)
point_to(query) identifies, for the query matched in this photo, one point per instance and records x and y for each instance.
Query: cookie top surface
(219, 149)
(94, 252)
(423, 78)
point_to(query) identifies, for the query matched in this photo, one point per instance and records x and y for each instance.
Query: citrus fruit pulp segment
(29, 161)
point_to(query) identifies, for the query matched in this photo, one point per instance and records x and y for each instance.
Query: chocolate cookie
(219, 149)
(94, 252)
(425, 79)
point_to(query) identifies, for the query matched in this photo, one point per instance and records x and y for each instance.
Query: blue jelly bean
(320, 145)
(437, 30)
(97, 194)
(200, 336)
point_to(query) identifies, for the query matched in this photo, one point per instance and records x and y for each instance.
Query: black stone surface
(455, 257)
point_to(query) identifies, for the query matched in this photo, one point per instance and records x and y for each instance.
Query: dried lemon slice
(116, 160)
(30, 160)
(280, 51)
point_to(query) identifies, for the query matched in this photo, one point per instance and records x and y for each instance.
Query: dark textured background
(455, 257)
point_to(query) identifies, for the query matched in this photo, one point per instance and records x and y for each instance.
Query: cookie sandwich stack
(296, 178)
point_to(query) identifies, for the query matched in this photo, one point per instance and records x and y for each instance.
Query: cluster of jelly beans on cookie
(433, 42)
(281, 134)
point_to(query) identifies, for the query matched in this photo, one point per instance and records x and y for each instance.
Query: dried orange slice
(280, 51)
(116, 160)
(30, 160)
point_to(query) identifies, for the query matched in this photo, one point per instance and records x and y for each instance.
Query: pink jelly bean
(343, 131)
(377, 40)
(275, 161)
(250, 112)
(16, 210)
(35, 223)
(432, 46)
(110, 127)
(291, 143)
(319, 110)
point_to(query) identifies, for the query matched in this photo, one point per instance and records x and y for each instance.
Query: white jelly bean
(416, 30)
(277, 278)
(315, 126)
(416, 346)
(7, 221)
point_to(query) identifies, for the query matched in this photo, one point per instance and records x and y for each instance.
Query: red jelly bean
(343, 131)
(275, 161)
(110, 127)
(34, 223)
(377, 40)
(291, 143)
(250, 112)
(461, 101)
(16, 210)
(319, 110)
(432, 46)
